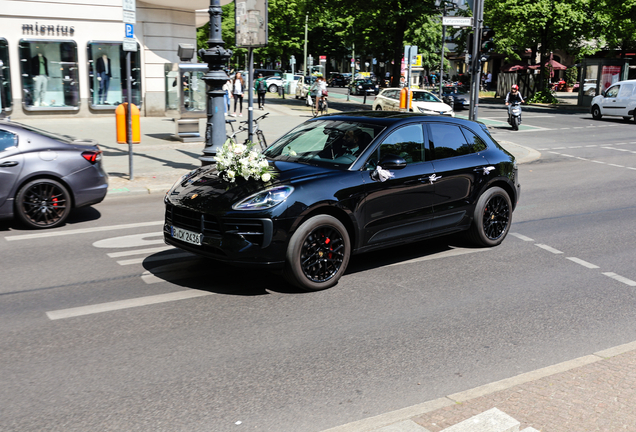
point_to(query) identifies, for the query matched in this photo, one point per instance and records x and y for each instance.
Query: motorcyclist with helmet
(514, 95)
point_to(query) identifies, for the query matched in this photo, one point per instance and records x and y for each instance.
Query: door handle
(8, 164)
(434, 178)
(484, 170)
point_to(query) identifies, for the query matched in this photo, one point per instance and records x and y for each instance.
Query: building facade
(63, 58)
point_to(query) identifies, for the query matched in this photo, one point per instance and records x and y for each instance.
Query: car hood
(196, 189)
(432, 106)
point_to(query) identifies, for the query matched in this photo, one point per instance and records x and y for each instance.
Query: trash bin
(120, 117)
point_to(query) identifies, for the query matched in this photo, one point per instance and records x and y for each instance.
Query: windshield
(325, 143)
(424, 97)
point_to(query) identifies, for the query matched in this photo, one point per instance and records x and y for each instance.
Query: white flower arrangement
(239, 160)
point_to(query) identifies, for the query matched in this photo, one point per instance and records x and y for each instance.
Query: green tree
(617, 19)
(542, 25)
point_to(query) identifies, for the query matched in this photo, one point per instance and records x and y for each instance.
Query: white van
(618, 100)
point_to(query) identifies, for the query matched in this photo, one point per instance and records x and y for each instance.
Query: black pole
(129, 116)
(216, 56)
(250, 97)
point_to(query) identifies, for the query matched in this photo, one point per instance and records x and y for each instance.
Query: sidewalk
(596, 392)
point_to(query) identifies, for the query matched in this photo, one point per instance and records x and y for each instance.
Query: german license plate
(186, 236)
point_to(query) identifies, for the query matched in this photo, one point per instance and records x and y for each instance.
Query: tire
(515, 123)
(378, 108)
(627, 118)
(42, 203)
(492, 218)
(260, 137)
(325, 107)
(273, 88)
(314, 113)
(596, 113)
(318, 254)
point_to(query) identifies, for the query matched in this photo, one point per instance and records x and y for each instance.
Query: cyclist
(318, 90)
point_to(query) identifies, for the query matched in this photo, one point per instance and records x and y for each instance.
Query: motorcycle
(514, 115)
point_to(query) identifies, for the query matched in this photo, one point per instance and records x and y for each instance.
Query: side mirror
(392, 162)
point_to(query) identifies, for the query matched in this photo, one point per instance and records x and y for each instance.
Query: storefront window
(107, 75)
(6, 100)
(49, 74)
(590, 85)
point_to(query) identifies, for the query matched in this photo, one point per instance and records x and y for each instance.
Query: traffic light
(487, 43)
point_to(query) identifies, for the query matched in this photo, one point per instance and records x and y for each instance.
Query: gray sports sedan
(43, 176)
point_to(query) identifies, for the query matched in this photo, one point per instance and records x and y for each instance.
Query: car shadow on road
(193, 272)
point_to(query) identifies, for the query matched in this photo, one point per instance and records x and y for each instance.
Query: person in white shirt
(238, 87)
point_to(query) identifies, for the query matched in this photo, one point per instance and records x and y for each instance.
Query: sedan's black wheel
(627, 118)
(596, 112)
(492, 218)
(318, 254)
(378, 108)
(43, 203)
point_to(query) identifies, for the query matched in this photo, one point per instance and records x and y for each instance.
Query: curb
(382, 420)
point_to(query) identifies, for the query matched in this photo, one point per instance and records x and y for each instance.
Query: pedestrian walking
(227, 88)
(260, 85)
(238, 87)
(488, 81)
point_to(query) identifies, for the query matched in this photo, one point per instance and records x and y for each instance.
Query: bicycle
(256, 130)
(323, 107)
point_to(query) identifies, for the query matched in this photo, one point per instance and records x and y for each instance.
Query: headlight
(264, 199)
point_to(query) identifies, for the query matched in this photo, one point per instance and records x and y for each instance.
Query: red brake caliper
(327, 241)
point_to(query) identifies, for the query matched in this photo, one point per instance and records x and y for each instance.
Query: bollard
(120, 118)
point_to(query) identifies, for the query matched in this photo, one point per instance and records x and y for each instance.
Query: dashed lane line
(583, 263)
(620, 278)
(549, 248)
(125, 304)
(522, 237)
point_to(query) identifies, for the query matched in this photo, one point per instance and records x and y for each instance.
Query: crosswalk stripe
(155, 258)
(139, 251)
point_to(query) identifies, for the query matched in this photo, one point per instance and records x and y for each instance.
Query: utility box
(120, 120)
(186, 99)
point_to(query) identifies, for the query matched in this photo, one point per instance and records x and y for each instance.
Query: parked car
(461, 98)
(619, 100)
(423, 101)
(348, 183)
(43, 176)
(362, 86)
(274, 83)
(303, 86)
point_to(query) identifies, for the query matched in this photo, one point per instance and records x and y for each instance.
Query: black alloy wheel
(492, 218)
(43, 203)
(318, 254)
(596, 112)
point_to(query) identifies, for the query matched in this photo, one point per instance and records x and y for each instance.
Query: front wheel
(378, 108)
(492, 218)
(515, 123)
(596, 112)
(43, 203)
(318, 254)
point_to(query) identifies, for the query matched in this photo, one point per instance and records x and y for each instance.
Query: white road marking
(548, 248)
(156, 258)
(522, 237)
(615, 165)
(446, 254)
(82, 231)
(620, 278)
(140, 251)
(125, 304)
(595, 161)
(583, 263)
(134, 240)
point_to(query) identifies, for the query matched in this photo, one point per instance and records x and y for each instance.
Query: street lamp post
(216, 56)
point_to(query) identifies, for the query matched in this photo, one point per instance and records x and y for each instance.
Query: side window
(612, 92)
(406, 142)
(7, 139)
(475, 143)
(626, 90)
(449, 141)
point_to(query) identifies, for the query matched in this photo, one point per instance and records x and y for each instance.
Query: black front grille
(255, 231)
(192, 220)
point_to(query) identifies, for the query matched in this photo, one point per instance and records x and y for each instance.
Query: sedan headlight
(264, 199)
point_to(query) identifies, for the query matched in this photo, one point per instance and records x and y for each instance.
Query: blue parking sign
(130, 30)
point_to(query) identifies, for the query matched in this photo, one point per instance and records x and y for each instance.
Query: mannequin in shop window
(40, 75)
(103, 68)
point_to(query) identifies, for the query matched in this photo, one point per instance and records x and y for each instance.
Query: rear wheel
(260, 137)
(492, 218)
(273, 88)
(378, 108)
(596, 112)
(314, 112)
(318, 254)
(43, 203)
(627, 118)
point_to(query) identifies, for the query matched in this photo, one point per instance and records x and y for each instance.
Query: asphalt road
(101, 329)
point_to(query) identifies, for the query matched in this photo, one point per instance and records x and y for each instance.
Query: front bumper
(251, 241)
